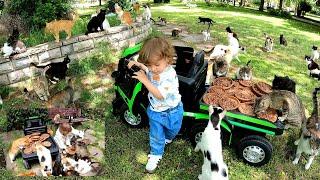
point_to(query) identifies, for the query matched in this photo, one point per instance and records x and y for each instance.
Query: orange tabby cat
(16, 146)
(124, 16)
(55, 26)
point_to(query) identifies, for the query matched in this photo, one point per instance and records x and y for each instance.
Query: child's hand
(131, 63)
(141, 76)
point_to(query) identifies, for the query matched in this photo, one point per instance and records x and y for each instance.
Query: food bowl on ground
(244, 95)
(217, 90)
(211, 99)
(257, 91)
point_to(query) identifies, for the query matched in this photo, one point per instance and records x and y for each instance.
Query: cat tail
(248, 62)
(152, 20)
(33, 64)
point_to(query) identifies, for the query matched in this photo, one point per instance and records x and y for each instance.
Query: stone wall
(77, 47)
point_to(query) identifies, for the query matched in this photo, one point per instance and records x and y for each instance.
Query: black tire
(258, 147)
(26, 164)
(138, 119)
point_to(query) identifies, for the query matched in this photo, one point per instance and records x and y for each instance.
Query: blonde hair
(155, 49)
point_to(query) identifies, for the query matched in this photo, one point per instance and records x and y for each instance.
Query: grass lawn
(128, 148)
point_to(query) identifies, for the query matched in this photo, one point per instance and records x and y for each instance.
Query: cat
(283, 41)
(314, 53)
(56, 71)
(309, 142)
(56, 26)
(288, 103)
(283, 83)
(206, 35)
(211, 147)
(268, 44)
(45, 159)
(175, 32)
(124, 16)
(16, 146)
(245, 72)
(147, 12)
(63, 98)
(96, 22)
(205, 20)
(313, 67)
(228, 29)
(105, 23)
(136, 7)
(162, 21)
(40, 88)
(7, 50)
(235, 47)
(220, 68)
(13, 45)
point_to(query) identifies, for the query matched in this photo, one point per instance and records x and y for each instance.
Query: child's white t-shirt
(168, 85)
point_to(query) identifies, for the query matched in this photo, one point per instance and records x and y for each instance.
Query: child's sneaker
(152, 162)
(167, 141)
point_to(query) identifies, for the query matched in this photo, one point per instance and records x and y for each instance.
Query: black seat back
(196, 65)
(184, 59)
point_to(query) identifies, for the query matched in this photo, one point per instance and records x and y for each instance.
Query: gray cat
(287, 102)
(245, 72)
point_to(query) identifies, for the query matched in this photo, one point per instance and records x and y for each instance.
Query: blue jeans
(164, 125)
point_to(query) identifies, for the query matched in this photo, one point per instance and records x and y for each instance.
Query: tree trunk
(261, 5)
(241, 3)
(100, 2)
(234, 2)
(280, 5)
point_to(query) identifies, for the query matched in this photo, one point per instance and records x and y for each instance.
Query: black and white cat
(245, 72)
(283, 83)
(206, 20)
(309, 141)
(175, 32)
(268, 44)
(206, 34)
(313, 67)
(314, 53)
(211, 146)
(228, 29)
(96, 22)
(147, 12)
(283, 40)
(105, 23)
(13, 45)
(56, 71)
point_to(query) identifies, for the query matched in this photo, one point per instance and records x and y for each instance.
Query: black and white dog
(210, 145)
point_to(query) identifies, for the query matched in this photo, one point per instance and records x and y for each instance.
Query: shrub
(279, 13)
(37, 12)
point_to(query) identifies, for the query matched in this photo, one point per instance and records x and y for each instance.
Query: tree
(280, 5)
(261, 5)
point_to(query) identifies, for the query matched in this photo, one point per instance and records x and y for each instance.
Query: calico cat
(283, 41)
(175, 32)
(283, 83)
(56, 26)
(313, 67)
(245, 72)
(96, 22)
(293, 112)
(314, 53)
(56, 71)
(268, 44)
(63, 98)
(206, 20)
(16, 146)
(124, 16)
(309, 141)
(228, 29)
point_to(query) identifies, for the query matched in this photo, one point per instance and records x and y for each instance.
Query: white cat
(211, 147)
(268, 44)
(7, 50)
(314, 53)
(206, 35)
(147, 12)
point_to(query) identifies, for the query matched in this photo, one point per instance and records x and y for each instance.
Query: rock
(95, 153)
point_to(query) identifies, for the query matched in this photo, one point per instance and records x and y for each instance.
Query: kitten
(147, 12)
(211, 147)
(45, 159)
(245, 72)
(40, 89)
(309, 142)
(283, 83)
(206, 20)
(124, 16)
(175, 32)
(7, 50)
(313, 67)
(293, 112)
(16, 146)
(314, 53)
(162, 21)
(268, 44)
(283, 41)
(56, 71)
(105, 23)
(56, 26)
(136, 7)
(96, 22)
(206, 35)
(17, 45)
(63, 98)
